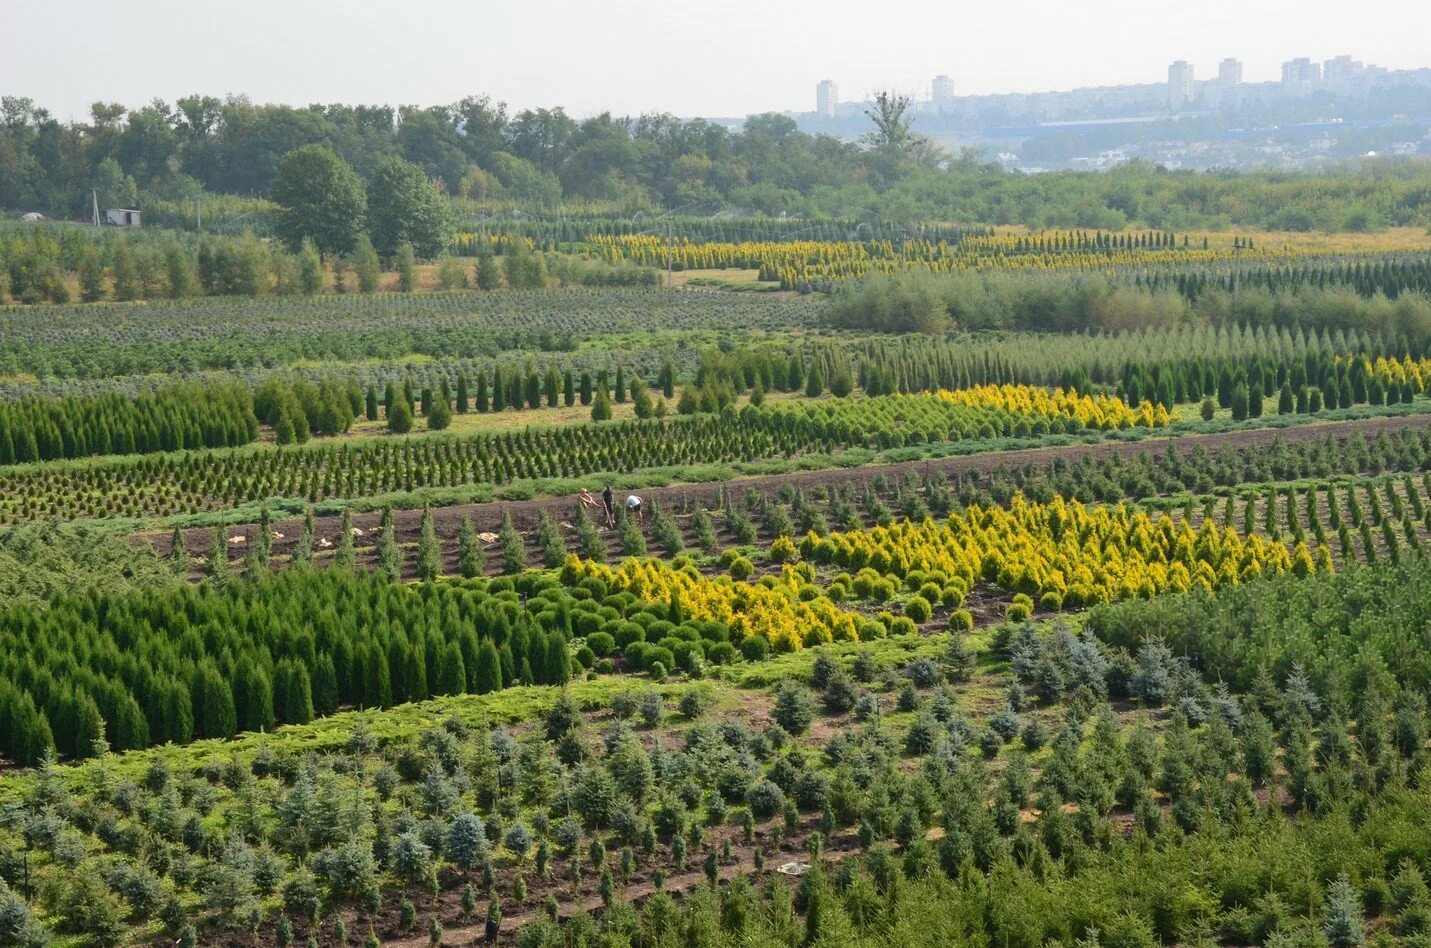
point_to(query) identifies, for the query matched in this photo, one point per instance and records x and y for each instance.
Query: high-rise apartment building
(1341, 67)
(942, 89)
(826, 95)
(1301, 69)
(1180, 85)
(1229, 72)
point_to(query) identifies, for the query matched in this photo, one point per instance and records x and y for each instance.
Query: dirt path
(527, 513)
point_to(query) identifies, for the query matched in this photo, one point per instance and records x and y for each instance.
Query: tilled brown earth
(526, 514)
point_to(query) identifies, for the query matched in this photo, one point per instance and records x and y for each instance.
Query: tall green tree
(320, 198)
(403, 205)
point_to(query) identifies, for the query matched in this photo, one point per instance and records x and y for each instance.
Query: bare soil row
(526, 514)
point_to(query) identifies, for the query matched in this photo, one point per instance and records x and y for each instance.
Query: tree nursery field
(436, 572)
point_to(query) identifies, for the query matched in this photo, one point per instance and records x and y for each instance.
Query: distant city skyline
(1183, 82)
(630, 57)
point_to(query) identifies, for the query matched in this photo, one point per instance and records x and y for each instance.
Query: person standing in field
(608, 501)
(633, 506)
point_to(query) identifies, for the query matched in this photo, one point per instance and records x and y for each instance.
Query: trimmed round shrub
(783, 551)
(869, 630)
(961, 620)
(659, 655)
(864, 581)
(721, 653)
(629, 632)
(741, 568)
(635, 654)
(755, 647)
(713, 631)
(902, 625)
(600, 643)
(918, 609)
(687, 632)
(1051, 601)
(689, 656)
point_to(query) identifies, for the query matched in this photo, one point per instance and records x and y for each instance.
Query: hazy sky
(690, 57)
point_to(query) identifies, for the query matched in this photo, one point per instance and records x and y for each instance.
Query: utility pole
(94, 195)
(198, 215)
(670, 276)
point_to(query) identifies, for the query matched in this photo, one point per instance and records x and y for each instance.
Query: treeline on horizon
(161, 156)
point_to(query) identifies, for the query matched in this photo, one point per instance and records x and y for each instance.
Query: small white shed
(122, 217)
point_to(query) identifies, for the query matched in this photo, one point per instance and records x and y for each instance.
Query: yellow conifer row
(1063, 553)
(775, 610)
(798, 262)
(1403, 371)
(1091, 411)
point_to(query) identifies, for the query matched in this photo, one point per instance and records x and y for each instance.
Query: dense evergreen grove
(174, 417)
(170, 418)
(210, 661)
(1389, 277)
(921, 301)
